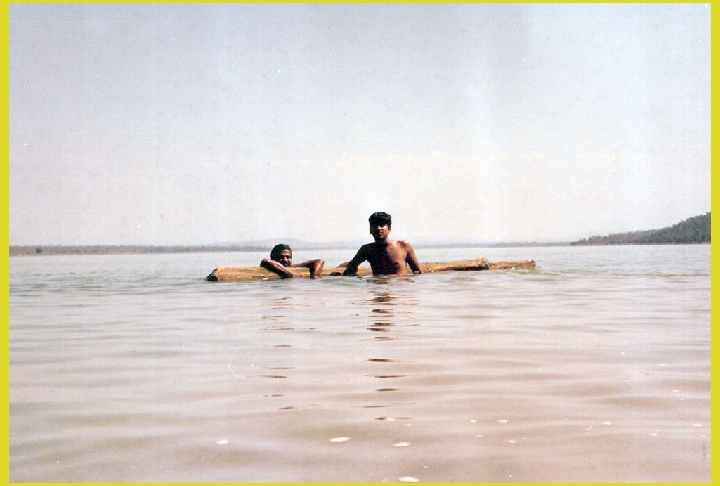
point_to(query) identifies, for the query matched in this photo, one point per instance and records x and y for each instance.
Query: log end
(512, 265)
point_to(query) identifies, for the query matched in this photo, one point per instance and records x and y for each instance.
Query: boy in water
(280, 262)
(386, 257)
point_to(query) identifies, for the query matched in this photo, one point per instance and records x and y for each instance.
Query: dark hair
(380, 219)
(277, 249)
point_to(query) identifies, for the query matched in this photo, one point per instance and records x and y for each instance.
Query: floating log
(239, 274)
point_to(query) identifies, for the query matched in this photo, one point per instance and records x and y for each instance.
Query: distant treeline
(28, 250)
(692, 230)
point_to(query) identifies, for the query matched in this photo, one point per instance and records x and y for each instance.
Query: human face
(285, 258)
(379, 231)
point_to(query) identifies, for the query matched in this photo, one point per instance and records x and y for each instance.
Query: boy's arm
(276, 268)
(353, 264)
(315, 267)
(411, 259)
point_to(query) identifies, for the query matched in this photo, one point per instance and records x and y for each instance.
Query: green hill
(692, 230)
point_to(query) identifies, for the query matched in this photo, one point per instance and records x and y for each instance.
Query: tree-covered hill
(692, 230)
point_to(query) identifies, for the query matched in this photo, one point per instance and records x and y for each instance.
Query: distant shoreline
(692, 231)
(56, 250)
(50, 250)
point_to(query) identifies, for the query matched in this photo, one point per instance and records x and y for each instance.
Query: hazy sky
(201, 124)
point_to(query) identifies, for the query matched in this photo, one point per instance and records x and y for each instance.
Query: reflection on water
(386, 307)
(383, 321)
(594, 367)
(382, 297)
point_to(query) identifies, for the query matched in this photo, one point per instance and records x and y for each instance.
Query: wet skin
(386, 257)
(282, 265)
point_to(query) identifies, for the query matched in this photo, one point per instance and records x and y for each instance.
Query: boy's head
(282, 254)
(380, 226)
(380, 219)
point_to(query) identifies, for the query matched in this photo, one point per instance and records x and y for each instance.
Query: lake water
(595, 366)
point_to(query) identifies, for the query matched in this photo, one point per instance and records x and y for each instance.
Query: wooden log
(240, 274)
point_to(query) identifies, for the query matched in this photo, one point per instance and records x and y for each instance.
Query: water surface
(593, 367)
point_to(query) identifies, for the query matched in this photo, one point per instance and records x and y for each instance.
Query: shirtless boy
(280, 262)
(386, 257)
